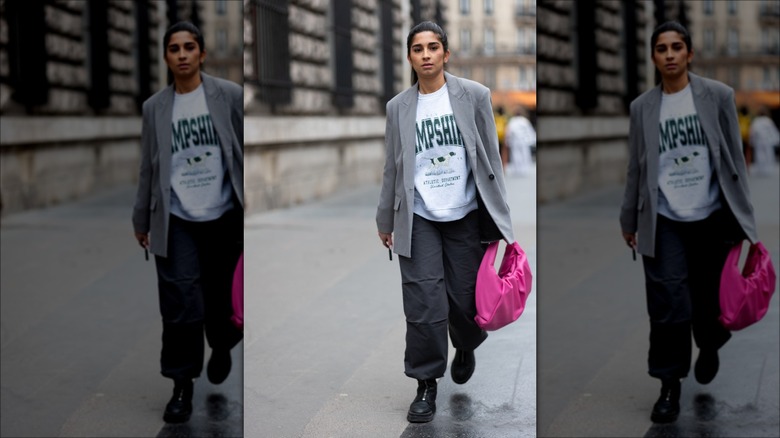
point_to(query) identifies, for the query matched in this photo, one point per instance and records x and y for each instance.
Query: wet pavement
(80, 332)
(593, 334)
(324, 335)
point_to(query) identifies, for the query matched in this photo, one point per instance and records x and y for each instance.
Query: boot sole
(419, 418)
(663, 418)
(173, 418)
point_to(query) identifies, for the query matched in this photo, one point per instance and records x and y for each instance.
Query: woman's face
(427, 55)
(183, 55)
(671, 56)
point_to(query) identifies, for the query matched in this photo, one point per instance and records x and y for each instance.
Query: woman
(442, 196)
(686, 204)
(189, 212)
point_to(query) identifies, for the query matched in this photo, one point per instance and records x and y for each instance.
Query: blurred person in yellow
(501, 121)
(745, 119)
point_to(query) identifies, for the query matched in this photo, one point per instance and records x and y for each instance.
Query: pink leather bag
(501, 296)
(238, 294)
(745, 296)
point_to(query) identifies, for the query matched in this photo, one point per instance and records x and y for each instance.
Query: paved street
(593, 334)
(80, 332)
(325, 329)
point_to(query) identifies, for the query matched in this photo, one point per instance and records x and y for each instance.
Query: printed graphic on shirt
(195, 152)
(684, 155)
(440, 152)
(688, 189)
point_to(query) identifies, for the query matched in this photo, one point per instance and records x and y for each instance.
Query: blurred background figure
(501, 122)
(764, 138)
(745, 118)
(520, 138)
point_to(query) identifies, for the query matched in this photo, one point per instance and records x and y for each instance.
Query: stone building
(592, 61)
(73, 75)
(317, 75)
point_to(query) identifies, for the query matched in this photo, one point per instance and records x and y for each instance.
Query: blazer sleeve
(386, 209)
(143, 197)
(630, 208)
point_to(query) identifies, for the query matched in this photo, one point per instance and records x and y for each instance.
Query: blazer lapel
(220, 117)
(408, 126)
(163, 119)
(463, 110)
(652, 116)
(707, 108)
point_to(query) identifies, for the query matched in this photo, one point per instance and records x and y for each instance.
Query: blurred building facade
(222, 26)
(317, 75)
(494, 42)
(738, 43)
(592, 61)
(73, 76)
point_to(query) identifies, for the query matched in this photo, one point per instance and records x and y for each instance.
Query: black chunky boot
(667, 408)
(424, 405)
(179, 408)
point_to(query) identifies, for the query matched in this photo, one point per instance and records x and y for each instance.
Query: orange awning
(756, 99)
(510, 100)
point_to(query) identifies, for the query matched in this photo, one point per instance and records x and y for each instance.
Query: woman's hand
(386, 238)
(143, 239)
(630, 239)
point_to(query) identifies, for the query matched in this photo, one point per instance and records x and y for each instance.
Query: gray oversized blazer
(153, 200)
(473, 113)
(714, 102)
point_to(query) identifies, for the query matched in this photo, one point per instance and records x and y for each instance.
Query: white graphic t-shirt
(444, 186)
(688, 186)
(199, 189)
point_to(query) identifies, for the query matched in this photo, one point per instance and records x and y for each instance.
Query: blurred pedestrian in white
(764, 137)
(520, 136)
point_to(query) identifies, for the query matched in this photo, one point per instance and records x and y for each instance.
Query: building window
(142, 54)
(222, 44)
(343, 92)
(26, 22)
(465, 40)
(388, 61)
(490, 42)
(523, 85)
(221, 6)
(733, 42)
(489, 7)
(732, 7)
(522, 41)
(465, 7)
(272, 51)
(98, 50)
(532, 39)
(490, 77)
(734, 77)
(709, 41)
(766, 84)
(707, 6)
